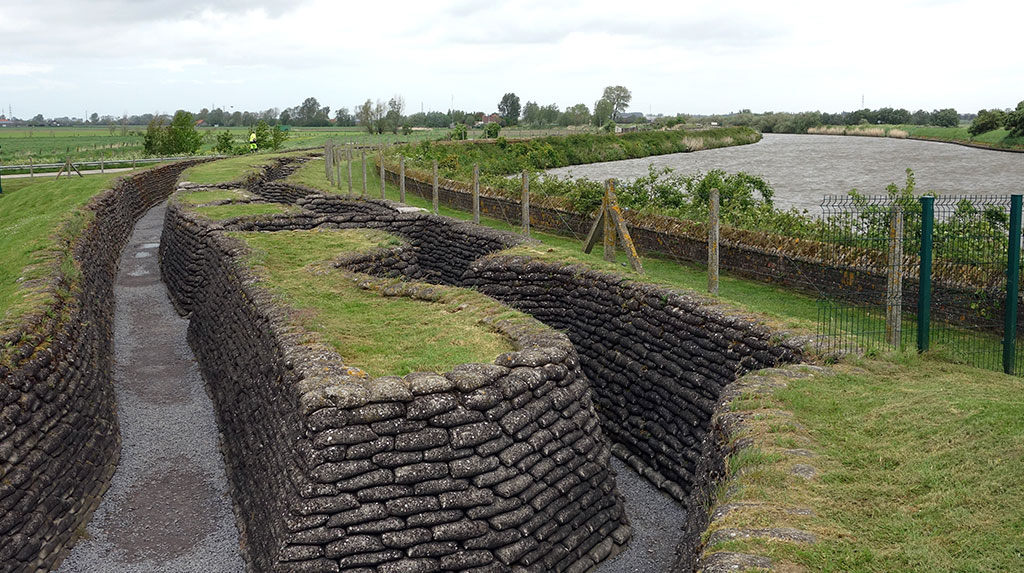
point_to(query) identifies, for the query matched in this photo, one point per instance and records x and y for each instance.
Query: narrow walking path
(168, 507)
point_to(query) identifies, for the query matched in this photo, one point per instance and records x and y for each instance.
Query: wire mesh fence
(879, 248)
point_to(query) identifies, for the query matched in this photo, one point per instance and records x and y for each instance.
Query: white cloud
(23, 69)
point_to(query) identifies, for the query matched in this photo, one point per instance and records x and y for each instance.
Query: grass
(226, 170)
(381, 335)
(998, 138)
(780, 307)
(232, 210)
(34, 217)
(200, 197)
(921, 461)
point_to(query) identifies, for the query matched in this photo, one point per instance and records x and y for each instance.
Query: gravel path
(657, 522)
(168, 507)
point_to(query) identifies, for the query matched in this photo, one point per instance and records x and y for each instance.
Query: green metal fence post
(924, 292)
(1012, 280)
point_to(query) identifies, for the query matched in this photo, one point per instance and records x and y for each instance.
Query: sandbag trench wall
(489, 467)
(952, 302)
(59, 440)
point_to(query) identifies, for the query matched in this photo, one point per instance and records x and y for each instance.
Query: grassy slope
(922, 467)
(996, 138)
(221, 212)
(381, 335)
(31, 215)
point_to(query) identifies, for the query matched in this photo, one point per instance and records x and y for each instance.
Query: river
(805, 168)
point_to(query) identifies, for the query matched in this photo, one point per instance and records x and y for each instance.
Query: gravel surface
(657, 522)
(168, 507)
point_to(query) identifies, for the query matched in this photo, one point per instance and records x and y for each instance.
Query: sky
(75, 57)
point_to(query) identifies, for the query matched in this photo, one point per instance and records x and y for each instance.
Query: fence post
(609, 225)
(924, 289)
(401, 180)
(476, 193)
(337, 167)
(364, 175)
(1012, 280)
(894, 282)
(526, 203)
(713, 242)
(434, 196)
(103, 166)
(32, 168)
(348, 159)
(382, 182)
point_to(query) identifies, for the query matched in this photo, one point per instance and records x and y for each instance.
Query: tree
(946, 117)
(393, 117)
(1015, 121)
(225, 143)
(182, 136)
(286, 117)
(987, 120)
(603, 110)
(578, 114)
(263, 137)
(94, 118)
(342, 118)
(619, 97)
(508, 109)
(920, 117)
(277, 137)
(491, 130)
(548, 115)
(531, 113)
(365, 115)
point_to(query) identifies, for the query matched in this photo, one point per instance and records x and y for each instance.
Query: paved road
(168, 507)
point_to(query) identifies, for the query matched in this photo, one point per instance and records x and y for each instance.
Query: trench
(167, 508)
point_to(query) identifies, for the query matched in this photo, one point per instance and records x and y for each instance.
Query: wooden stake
(713, 242)
(348, 158)
(609, 225)
(363, 195)
(434, 195)
(382, 182)
(401, 180)
(476, 193)
(526, 203)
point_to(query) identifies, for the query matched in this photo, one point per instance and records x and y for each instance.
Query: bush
(491, 130)
(225, 143)
(609, 127)
(459, 133)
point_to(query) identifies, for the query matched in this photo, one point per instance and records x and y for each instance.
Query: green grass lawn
(32, 217)
(381, 335)
(232, 210)
(921, 468)
(200, 197)
(226, 170)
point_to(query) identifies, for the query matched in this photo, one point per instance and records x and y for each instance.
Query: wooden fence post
(434, 196)
(337, 167)
(609, 225)
(382, 182)
(401, 180)
(476, 193)
(894, 280)
(364, 175)
(526, 203)
(348, 158)
(713, 242)
(32, 169)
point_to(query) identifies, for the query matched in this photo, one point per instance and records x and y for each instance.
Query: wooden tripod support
(608, 224)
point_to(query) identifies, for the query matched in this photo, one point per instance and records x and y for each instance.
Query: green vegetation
(920, 465)
(232, 210)
(504, 157)
(37, 222)
(382, 335)
(201, 197)
(227, 170)
(179, 137)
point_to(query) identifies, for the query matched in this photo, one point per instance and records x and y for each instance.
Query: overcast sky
(71, 57)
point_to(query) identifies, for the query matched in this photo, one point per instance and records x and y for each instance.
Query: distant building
(4, 122)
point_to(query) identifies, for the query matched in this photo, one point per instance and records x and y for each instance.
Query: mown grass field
(998, 138)
(35, 219)
(380, 335)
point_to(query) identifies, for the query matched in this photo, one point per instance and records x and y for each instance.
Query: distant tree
(508, 109)
(946, 117)
(987, 120)
(342, 118)
(1015, 121)
(603, 111)
(285, 117)
(459, 132)
(225, 143)
(215, 117)
(436, 119)
(920, 117)
(152, 141)
(94, 118)
(578, 114)
(182, 136)
(491, 130)
(365, 115)
(619, 97)
(393, 117)
(531, 113)
(270, 115)
(548, 115)
(277, 137)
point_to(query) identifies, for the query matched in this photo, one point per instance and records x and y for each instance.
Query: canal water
(804, 168)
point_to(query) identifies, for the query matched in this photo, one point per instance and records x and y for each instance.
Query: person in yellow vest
(252, 142)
